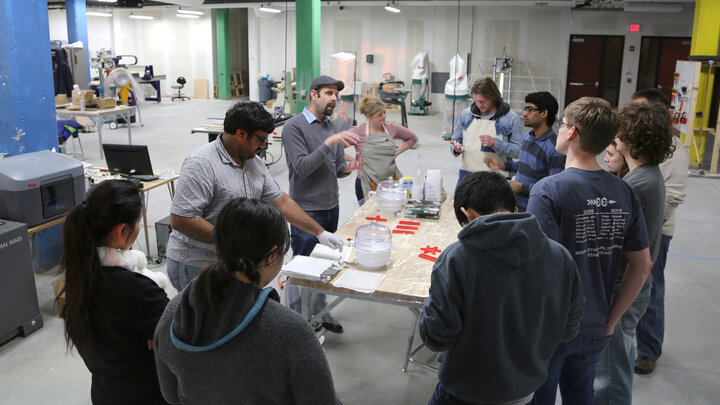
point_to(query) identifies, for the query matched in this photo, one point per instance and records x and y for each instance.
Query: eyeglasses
(570, 126)
(529, 109)
(263, 141)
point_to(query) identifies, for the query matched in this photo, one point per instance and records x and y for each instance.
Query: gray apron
(379, 157)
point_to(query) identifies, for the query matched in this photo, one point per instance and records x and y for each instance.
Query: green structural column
(308, 47)
(222, 21)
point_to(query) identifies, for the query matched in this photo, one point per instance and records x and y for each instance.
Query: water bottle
(82, 104)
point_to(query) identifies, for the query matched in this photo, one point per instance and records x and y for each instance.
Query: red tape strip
(377, 218)
(427, 257)
(409, 228)
(405, 232)
(409, 223)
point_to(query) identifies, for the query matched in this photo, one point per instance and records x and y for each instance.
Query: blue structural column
(77, 25)
(27, 106)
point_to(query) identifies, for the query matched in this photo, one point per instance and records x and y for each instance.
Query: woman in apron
(377, 146)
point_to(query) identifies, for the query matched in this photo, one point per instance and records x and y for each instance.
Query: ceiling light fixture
(190, 12)
(107, 1)
(141, 17)
(269, 9)
(98, 14)
(187, 16)
(391, 7)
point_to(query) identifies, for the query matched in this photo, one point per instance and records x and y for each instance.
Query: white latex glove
(330, 240)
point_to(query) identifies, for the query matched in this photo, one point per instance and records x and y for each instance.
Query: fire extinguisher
(676, 119)
(683, 120)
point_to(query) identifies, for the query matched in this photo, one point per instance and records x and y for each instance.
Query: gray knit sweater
(251, 350)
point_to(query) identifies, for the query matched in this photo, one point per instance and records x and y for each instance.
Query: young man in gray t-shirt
(645, 140)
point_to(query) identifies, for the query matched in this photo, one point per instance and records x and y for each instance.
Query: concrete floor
(366, 360)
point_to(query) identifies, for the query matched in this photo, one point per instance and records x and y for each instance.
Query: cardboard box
(78, 95)
(58, 285)
(106, 102)
(61, 99)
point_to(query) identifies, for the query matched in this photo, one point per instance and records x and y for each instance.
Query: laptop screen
(128, 159)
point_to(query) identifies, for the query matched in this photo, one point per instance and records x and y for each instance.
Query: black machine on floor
(397, 97)
(19, 309)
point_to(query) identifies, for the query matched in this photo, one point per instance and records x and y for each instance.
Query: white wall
(536, 37)
(174, 46)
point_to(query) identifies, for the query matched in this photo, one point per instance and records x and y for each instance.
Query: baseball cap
(324, 80)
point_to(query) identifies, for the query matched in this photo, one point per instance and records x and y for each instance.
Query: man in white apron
(488, 128)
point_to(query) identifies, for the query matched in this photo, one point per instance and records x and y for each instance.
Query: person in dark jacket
(62, 74)
(225, 340)
(110, 312)
(501, 300)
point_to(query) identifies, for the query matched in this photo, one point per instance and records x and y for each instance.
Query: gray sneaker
(644, 365)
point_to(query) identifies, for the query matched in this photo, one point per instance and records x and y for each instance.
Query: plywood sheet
(200, 88)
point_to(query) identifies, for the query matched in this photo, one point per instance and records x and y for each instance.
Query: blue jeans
(302, 244)
(359, 191)
(181, 274)
(614, 378)
(651, 328)
(572, 366)
(462, 173)
(442, 397)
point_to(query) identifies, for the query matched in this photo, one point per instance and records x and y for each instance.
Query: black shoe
(333, 327)
(317, 326)
(644, 365)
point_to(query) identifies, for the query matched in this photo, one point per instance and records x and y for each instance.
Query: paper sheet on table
(362, 281)
(310, 268)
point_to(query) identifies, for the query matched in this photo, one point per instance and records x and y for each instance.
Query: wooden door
(594, 67)
(657, 62)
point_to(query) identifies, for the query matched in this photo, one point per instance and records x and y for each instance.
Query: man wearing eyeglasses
(216, 173)
(538, 157)
(599, 219)
(316, 159)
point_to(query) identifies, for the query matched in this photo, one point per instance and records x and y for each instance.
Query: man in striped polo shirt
(538, 157)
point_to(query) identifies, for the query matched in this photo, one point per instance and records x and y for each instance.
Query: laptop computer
(132, 161)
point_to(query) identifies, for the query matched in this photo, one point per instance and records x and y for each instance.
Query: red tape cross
(409, 223)
(424, 256)
(377, 218)
(433, 250)
(407, 227)
(405, 232)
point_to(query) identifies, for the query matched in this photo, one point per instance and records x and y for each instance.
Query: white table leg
(99, 121)
(128, 127)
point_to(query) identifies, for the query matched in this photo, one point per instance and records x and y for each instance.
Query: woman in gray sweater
(225, 340)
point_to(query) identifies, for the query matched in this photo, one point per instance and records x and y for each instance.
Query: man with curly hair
(645, 140)
(651, 328)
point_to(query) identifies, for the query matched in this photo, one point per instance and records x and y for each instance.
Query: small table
(98, 118)
(407, 277)
(155, 83)
(147, 186)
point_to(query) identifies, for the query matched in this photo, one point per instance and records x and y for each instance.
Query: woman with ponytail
(226, 340)
(110, 311)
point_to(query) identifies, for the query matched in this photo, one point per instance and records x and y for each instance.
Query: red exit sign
(634, 27)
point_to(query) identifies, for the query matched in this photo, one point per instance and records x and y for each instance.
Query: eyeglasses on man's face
(263, 140)
(528, 109)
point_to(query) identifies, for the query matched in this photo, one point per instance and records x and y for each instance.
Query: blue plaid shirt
(538, 159)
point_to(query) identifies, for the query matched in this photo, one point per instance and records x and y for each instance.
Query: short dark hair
(249, 116)
(484, 192)
(544, 102)
(652, 96)
(596, 121)
(487, 88)
(245, 231)
(647, 131)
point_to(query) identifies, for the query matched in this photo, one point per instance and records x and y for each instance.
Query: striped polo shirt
(538, 159)
(209, 178)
